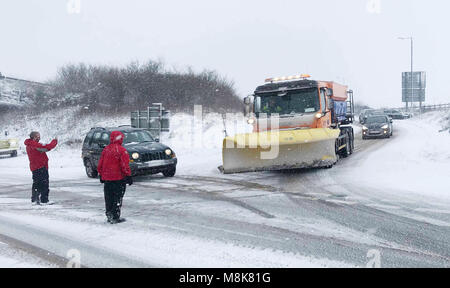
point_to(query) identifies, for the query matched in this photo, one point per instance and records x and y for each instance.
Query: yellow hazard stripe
(343, 146)
(282, 137)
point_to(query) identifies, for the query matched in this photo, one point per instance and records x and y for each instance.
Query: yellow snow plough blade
(279, 150)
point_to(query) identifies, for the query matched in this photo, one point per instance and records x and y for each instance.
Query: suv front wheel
(91, 172)
(170, 172)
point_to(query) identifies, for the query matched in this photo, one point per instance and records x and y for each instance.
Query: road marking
(341, 202)
(432, 210)
(381, 206)
(237, 233)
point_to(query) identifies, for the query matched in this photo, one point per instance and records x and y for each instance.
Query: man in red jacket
(115, 172)
(39, 167)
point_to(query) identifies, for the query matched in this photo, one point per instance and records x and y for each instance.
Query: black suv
(147, 155)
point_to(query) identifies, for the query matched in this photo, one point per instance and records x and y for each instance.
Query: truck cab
(300, 104)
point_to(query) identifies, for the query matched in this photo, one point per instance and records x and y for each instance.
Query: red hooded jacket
(114, 164)
(37, 158)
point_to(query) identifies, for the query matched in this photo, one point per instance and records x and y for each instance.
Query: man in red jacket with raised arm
(115, 172)
(39, 167)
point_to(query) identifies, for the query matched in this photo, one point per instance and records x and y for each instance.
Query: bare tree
(113, 89)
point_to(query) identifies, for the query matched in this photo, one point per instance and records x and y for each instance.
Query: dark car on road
(147, 155)
(397, 114)
(377, 126)
(368, 113)
(364, 114)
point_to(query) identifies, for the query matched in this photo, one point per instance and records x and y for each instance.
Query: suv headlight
(365, 128)
(168, 152)
(135, 155)
(385, 126)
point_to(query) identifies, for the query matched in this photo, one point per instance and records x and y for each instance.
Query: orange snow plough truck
(297, 123)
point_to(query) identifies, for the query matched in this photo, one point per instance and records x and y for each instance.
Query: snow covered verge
(15, 93)
(11, 257)
(7, 262)
(197, 139)
(69, 125)
(415, 162)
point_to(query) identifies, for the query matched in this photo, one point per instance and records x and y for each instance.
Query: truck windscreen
(294, 102)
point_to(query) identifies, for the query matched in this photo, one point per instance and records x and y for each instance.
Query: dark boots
(114, 192)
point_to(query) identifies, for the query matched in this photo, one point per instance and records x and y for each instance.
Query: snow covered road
(310, 218)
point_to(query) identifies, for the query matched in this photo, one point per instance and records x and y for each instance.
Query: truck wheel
(346, 151)
(352, 143)
(14, 154)
(90, 170)
(170, 172)
(336, 148)
(328, 166)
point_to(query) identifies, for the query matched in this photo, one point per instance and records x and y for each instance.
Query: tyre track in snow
(406, 233)
(193, 190)
(40, 242)
(311, 200)
(434, 250)
(427, 243)
(398, 234)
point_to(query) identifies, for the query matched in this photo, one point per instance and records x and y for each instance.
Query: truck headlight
(251, 121)
(168, 152)
(135, 156)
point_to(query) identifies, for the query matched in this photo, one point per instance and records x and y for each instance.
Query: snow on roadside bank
(69, 125)
(416, 160)
(13, 258)
(7, 262)
(197, 140)
(406, 163)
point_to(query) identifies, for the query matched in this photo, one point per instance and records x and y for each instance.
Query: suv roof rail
(98, 128)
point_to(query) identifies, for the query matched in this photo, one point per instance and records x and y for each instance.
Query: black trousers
(114, 192)
(40, 188)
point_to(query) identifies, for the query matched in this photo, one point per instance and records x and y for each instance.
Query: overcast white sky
(247, 41)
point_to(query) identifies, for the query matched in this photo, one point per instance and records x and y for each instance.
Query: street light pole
(412, 71)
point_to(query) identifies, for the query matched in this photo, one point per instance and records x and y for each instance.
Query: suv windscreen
(135, 137)
(96, 139)
(104, 140)
(378, 119)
